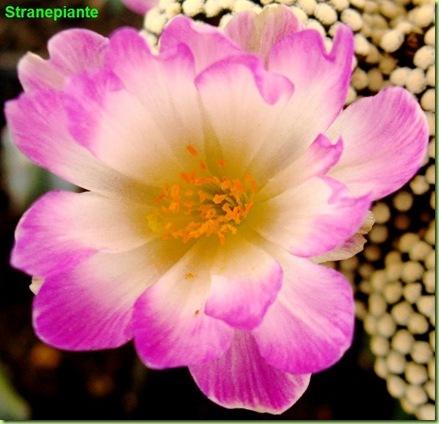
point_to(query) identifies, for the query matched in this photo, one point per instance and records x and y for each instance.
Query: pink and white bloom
(219, 172)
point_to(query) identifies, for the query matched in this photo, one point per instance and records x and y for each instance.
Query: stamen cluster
(202, 204)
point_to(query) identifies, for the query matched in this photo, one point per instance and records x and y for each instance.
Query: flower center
(201, 204)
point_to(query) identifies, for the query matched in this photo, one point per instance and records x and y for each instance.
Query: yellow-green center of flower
(202, 204)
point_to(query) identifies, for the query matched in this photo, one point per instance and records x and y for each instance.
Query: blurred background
(389, 372)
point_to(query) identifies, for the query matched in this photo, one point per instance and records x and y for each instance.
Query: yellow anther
(218, 198)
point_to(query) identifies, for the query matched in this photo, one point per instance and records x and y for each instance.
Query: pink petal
(258, 33)
(310, 326)
(71, 51)
(321, 81)
(207, 43)
(242, 379)
(40, 247)
(102, 113)
(272, 88)
(62, 228)
(36, 73)
(310, 62)
(170, 327)
(313, 218)
(351, 247)
(164, 87)
(245, 282)
(40, 128)
(140, 6)
(90, 306)
(242, 103)
(317, 160)
(385, 142)
(163, 84)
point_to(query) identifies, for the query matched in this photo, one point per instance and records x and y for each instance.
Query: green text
(54, 13)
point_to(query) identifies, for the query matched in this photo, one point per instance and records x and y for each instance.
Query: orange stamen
(202, 204)
(192, 150)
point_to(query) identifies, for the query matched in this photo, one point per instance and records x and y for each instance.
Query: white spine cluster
(400, 318)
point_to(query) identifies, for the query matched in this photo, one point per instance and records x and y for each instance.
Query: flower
(218, 173)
